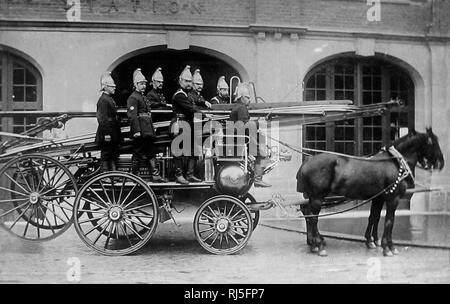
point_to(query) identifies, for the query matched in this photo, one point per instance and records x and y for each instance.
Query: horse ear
(429, 130)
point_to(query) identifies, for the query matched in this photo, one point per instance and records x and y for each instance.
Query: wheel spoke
(20, 215)
(138, 207)
(12, 191)
(23, 177)
(55, 214)
(125, 233)
(13, 200)
(128, 195)
(15, 182)
(101, 232)
(101, 199)
(45, 216)
(92, 219)
(134, 200)
(131, 228)
(104, 191)
(9, 211)
(95, 227)
(109, 235)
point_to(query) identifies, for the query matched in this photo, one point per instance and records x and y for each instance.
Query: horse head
(430, 156)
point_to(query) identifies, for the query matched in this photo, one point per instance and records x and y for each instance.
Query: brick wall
(397, 16)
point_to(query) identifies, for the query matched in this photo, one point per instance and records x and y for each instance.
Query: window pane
(31, 94)
(321, 81)
(367, 83)
(18, 76)
(30, 79)
(339, 95)
(377, 83)
(349, 83)
(321, 95)
(311, 83)
(309, 95)
(338, 82)
(18, 94)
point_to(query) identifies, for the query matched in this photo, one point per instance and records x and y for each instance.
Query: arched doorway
(172, 63)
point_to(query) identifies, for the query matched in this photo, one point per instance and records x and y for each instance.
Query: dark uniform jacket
(108, 124)
(139, 114)
(157, 99)
(239, 113)
(219, 100)
(197, 99)
(181, 104)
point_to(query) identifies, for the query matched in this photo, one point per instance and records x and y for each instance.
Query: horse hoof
(378, 243)
(323, 253)
(371, 245)
(314, 249)
(395, 251)
(387, 253)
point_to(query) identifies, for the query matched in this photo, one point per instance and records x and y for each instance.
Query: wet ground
(424, 230)
(276, 254)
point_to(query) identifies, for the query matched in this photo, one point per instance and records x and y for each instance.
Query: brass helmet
(138, 76)
(106, 80)
(197, 78)
(157, 75)
(241, 90)
(222, 84)
(186, 74)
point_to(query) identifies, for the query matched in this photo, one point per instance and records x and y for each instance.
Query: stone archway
(211, 64)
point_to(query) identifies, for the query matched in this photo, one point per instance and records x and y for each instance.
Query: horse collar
(403, 172)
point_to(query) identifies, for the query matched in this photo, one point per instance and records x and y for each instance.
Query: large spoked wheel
(249, 199)
(116, 213)
(223, 225)
(36, 197)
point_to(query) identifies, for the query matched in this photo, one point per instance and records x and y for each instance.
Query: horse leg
(371, 234)
(386, 241)
(319, 241)
(307, 211)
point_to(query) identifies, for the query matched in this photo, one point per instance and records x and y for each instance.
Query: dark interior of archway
(172, 63)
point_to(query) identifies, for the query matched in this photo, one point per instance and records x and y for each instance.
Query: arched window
(20, 89)
(364, 81)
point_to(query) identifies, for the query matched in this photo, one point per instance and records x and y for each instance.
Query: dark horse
(362, 179)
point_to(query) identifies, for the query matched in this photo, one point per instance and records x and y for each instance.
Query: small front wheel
(223, 225)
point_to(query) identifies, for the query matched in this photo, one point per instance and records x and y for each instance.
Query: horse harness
(404, 170)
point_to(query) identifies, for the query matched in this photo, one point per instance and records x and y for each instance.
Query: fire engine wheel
(36, 197)
(223, 225)
(249, 199)
(116, 213)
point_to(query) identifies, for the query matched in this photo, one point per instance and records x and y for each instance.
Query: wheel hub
(115, 213)
(222, 225)
(34, 198)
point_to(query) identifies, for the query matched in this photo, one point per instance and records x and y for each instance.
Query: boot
(112, 165)
(156, 178)
(179, 178)
(258, 177)
(190, 172)
(104, 166)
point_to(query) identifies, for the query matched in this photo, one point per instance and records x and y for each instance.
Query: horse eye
(430, 141)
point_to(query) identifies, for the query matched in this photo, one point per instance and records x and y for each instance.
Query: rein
(301, 150)
(404, 172)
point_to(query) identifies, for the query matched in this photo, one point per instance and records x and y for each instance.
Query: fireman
(155, 95)
(240, 113)
(108, 135)
(195, 95)
(222, 92)
(184, 110)
(142, 130)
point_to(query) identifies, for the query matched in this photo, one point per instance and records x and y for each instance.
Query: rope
(302, 149)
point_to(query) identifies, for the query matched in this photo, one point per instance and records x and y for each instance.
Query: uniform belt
(145, 114)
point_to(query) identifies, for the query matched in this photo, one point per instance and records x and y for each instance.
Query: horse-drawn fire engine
(49, 184)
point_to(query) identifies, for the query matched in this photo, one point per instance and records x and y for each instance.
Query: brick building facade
(53, 52)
